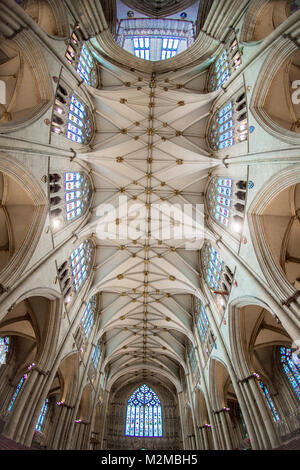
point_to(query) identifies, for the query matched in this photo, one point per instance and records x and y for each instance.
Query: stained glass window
(86, 67)
(202, 320)
(79, 127)
(291, 370)
(144, 416)
(77, 194)
(96, 355)
(4, 347)
(269, 400)
(19, 386)
(81, 259)
(39, 424)
(228, 61)
(213, 265)
(88, 316)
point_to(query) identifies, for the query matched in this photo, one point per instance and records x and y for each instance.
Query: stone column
(265, 414)
(225, 427)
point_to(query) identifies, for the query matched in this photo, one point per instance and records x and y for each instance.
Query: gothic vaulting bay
(149, 224)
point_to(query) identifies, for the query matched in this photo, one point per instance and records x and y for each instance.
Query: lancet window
(229, 124)
(226, 202)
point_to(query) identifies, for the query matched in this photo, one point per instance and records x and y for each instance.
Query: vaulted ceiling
(150, 149)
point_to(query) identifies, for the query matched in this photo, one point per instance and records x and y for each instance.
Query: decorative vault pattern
(149, 149)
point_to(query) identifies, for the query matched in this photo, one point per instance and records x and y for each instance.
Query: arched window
(19, 386)
(229, 125)
(4, 348)
(96, 355)
(144, 416)
(291, 370)
(81, 260)
(269, 400)
(78, 54)
(71, 117)
(192, 357)
(77, 194)
(226, 202)
(39, 424)
(201, 318)
(70, 201)
(226, 63)
(88, 316)
(218, 275)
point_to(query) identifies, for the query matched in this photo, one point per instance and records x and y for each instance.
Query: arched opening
(28, 88)
(263, 351)
(28, 325)
(144, 414)
(264, 17)
(279, 103)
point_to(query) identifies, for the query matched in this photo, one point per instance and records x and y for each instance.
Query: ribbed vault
(149, 154)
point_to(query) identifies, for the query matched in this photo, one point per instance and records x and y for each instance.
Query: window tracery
(226, 202)
(4, 348)
(229, 125)
(192, 357)
(226, 63)
(79, 55)
(88, 316)
(144, 414)
(73, 200)
(71, 116)
(218, 275)
(269, 400)
(40, 422)
(96, 355)
(291, 370)
(17, 391)
(76, 269)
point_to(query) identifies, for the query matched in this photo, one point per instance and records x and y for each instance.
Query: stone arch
(50, 15)
(23, 211)
(256, 336)
(28, 87)
(278, 252)
(274, 102)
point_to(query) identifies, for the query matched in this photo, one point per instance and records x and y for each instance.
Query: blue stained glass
(291, 369)
(202, 323)
(80, 259)
(87, 319)
(144, 417)
(269, 401)
(79, 198)
(74, 137)
(226, 126)
(4, 347)
(225, 182)
(96, 355)
(41, 419)
(223, 200)
(226, 109)
(225, 118)
(225, 144)
(19, 386)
